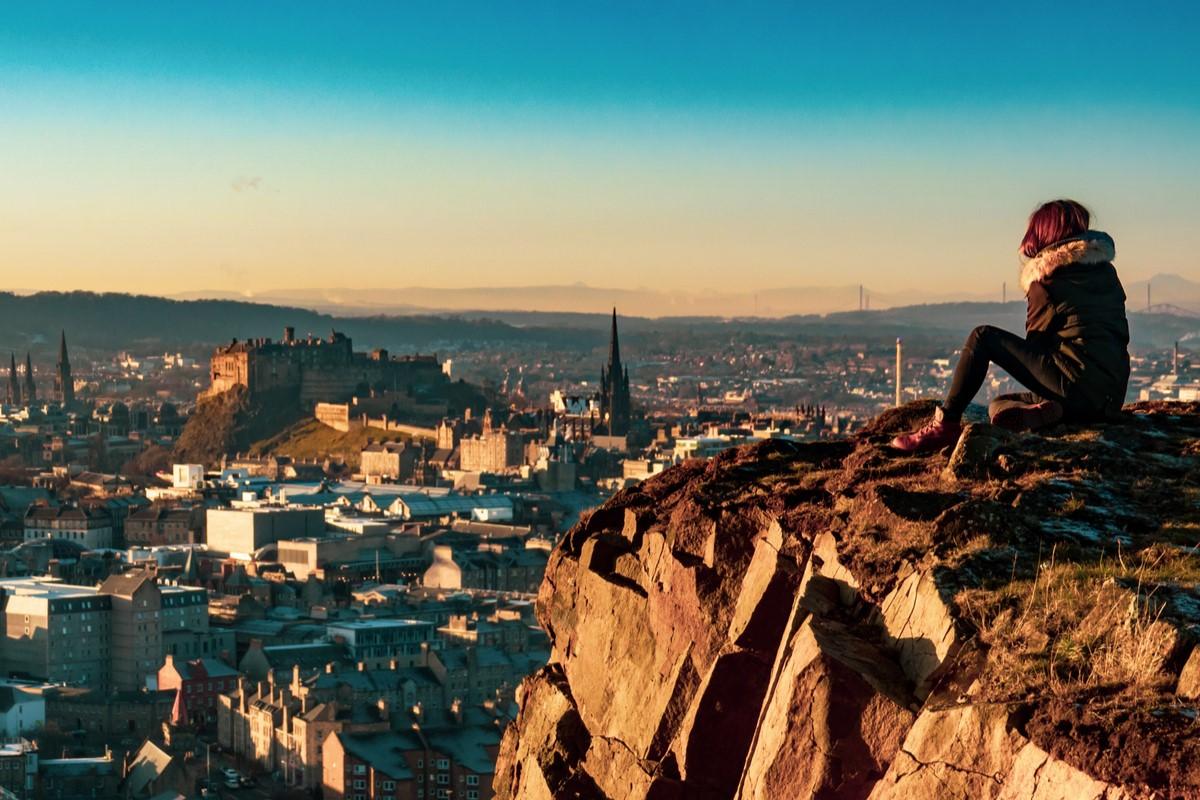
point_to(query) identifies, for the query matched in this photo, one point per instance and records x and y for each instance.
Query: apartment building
(495, 451)
(109, 637)
(201, 681)
(89, 525)
(18, 769)
(159, 525)
(284, 726)
(56, 632)
(454, 760)
(378, 641)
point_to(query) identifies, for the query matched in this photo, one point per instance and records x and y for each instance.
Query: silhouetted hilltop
(121, 321)
(680, 301)
(111, 322)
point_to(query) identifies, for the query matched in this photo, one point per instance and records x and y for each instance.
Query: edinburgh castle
(319, 369)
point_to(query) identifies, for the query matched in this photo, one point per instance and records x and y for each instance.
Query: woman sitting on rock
(1074, 358)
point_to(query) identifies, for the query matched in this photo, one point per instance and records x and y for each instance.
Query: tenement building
(318, 369)
(494, 451)
(108, 637)
(89, 525)
(157, 525)
(388, 461)
(56, 632)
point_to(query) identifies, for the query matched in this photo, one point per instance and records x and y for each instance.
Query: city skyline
(222, 148)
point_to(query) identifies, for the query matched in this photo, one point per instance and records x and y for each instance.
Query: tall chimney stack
(899, 368)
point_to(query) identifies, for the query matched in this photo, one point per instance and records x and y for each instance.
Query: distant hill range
(1166, 290)
(106, 323)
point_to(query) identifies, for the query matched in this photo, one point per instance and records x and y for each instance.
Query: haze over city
(219, 150)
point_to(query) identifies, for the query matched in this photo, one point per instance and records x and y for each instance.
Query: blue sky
(171, 146)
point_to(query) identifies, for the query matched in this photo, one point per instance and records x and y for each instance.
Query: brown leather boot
(938, 433)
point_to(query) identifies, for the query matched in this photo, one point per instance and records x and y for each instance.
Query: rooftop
(375, 624)
(384, 751)
(48, 588)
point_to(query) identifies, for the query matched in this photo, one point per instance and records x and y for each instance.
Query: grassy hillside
(310, 440)
(230, 423)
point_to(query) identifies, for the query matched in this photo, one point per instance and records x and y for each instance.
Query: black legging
(1030, 366)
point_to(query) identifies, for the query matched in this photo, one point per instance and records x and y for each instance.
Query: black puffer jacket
(1077, 314)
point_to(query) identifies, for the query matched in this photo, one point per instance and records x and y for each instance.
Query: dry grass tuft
(1072, 505)
(1081, 626)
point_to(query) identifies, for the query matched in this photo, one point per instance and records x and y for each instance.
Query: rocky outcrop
(1014, 618)
(230, 422)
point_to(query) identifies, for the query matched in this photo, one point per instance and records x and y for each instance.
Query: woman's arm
(1039, 317)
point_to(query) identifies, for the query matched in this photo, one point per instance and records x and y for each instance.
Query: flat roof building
(376, 641)
(242, 531)
(107, 637)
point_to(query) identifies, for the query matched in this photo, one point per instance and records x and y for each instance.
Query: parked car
(208, 788)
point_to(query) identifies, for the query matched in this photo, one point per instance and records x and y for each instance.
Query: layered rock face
(1013, 619)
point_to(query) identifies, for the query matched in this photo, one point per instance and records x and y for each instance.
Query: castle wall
(318, 370)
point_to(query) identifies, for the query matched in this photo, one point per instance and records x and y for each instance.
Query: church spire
(14, 384)
(64, 386)
(614, 348)
(30, 386)
(614, 387)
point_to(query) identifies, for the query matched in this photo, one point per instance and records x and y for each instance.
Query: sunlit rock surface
(1013, 618)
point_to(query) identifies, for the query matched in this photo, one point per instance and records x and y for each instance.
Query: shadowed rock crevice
(1016, 617)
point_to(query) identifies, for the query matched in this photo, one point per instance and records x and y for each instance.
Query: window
(360, 769)
(443, 763)
(472, 794)
(472, 780)
(360, 784)
(389, 785)
(443, 779)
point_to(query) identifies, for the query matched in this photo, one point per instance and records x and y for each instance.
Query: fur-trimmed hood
(1092, 247)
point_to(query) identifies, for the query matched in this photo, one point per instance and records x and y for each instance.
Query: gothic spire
(30, 386)
(64, 386)
(614, 348)
(614, 387)
(14, 384)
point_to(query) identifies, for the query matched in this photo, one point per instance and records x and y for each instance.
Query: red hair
(1053, 222)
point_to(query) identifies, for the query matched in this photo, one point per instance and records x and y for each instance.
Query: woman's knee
(980, 336)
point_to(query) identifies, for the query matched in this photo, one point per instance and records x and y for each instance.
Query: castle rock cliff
(1013, 619)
